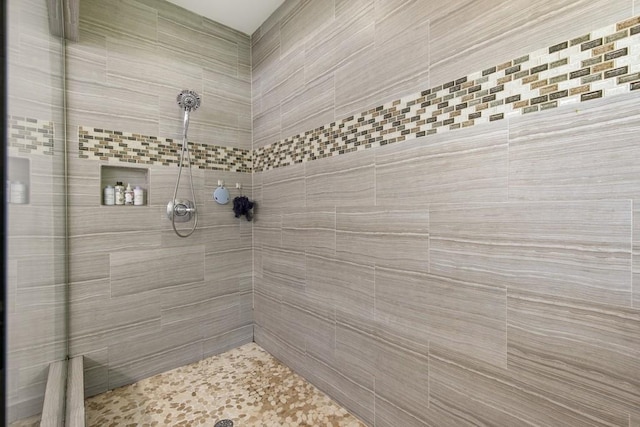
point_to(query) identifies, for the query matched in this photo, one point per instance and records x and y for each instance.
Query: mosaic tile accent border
(602, 63)
(30, 136)
(116, 146)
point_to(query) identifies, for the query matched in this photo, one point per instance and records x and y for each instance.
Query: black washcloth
(242, 206)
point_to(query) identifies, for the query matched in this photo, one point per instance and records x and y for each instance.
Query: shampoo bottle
(128, 195)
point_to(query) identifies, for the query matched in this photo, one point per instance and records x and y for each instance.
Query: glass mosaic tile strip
(117, 146)
(572, 71)
(30, 136)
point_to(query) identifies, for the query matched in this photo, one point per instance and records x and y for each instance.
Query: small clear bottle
(18, 192)
(109, 195)
(119, 191)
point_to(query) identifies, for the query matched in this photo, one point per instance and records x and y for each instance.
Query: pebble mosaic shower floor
(246, 385)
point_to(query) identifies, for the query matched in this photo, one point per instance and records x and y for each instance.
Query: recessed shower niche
(111, 175)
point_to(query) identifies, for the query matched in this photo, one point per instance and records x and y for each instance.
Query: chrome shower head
(188, 100)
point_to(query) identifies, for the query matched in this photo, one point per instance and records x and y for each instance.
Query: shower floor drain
(224, 423)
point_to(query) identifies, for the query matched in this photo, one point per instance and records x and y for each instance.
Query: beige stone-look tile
(282, 77)
(130, 18)
(283, 189)
(584, 356)
(345, 180)
(267, 49)
(636, 259)
(198, 47)
(99, 321)
(227, 341)
(293, 328)
(402, 377)
(352, 31)
(356, 355)
(561, 156)
(139, 271)
(267, 312)
(386, 237)
(311, 231)
(309, 108)
(575, 249)
(340, 287)
(148, 355)
(463, 391)
(301, 23)
(225, 269)
(359, 400)
(114, 242)
(389, 415)
(267, 230)
(524, 27)
(321, 338)
(399, 58)
(284, 272)
(464, 166)
(290, 356)
(266, 127)
(424, 308)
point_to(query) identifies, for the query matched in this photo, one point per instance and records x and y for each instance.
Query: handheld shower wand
(178, 209)
(189, 101)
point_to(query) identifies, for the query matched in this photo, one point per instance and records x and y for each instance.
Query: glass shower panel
(35, 206)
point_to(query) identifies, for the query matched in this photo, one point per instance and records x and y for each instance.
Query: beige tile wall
(479, 276)
(143, 300)
(35, 305)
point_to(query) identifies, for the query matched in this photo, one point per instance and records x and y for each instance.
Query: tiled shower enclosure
(447, 194)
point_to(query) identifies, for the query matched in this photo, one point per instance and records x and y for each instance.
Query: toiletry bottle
(128, 195)
(119, 190)
(138, 196)
(18, 192)
(109, 195)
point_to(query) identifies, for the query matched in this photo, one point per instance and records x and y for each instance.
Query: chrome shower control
(182, 211)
